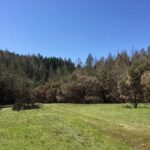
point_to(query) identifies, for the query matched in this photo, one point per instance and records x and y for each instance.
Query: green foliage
(145, 83)
(34, 67)
(22, 105)
(114, 79)
(135, 73)
(90, 61)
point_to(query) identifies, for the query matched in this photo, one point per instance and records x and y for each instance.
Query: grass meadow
(76, 127)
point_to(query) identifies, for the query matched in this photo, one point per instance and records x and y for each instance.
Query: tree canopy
(34, 78)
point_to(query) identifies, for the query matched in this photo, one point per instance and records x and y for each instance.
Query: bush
(20, 105)
(39, 93)
(71, 92)
(92, 99)
(51, 93)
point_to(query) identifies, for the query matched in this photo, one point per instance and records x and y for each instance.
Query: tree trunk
(135, 102)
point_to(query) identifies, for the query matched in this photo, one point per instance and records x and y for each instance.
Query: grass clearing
(76, 126)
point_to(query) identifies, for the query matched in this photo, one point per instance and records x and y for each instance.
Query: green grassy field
(76, 127)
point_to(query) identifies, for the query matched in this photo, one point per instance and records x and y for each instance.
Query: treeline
(36, 68)
(20, 74)
(115, 79)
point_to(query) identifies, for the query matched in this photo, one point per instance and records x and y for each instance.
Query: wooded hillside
(34, 78)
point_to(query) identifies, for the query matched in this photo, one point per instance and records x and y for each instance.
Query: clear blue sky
(74, 28)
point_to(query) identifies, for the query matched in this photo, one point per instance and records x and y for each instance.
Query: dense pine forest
(29, 79)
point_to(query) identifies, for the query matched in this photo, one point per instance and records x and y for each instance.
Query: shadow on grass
(19, 108)
(26, 107)
(5, 106)
(140, 106)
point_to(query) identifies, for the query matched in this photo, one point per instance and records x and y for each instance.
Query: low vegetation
(76, 126)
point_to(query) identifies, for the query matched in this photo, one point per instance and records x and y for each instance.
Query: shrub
(39, 93)
(20, 105)
(51, 93)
